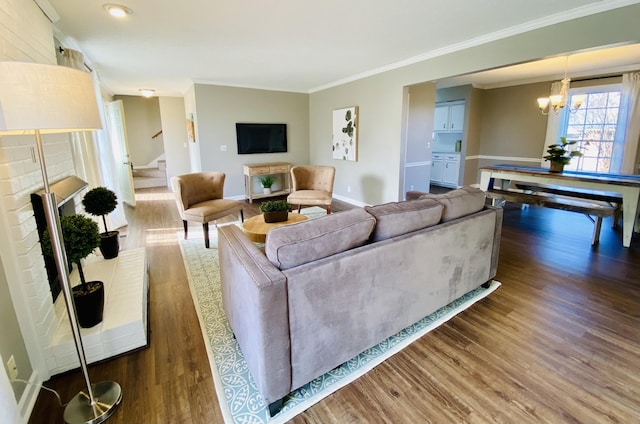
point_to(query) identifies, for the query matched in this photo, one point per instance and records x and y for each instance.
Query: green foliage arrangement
(99, 202)
(275, 206)
(267, 181)
(560, 153)
(81, 237)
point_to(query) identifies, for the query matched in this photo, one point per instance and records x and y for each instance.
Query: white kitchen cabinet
(449, 117)
(445, 169)
(436, 168)
(456, 117)
(450, 169)
(441, 119)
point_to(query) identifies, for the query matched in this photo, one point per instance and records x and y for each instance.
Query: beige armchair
(200, 198)
(312, 186)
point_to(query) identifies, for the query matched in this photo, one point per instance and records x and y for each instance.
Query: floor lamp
(43, 99)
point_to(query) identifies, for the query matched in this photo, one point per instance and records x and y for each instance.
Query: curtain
(553, 123)
(72, 59)
(92, 155)
(631, 104)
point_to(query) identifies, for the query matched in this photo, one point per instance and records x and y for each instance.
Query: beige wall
(512, 124)
(11, 342)
(376, 174)
(417, 143)
(142, 116)
(374, 178)
(218, 108)
(469, 161)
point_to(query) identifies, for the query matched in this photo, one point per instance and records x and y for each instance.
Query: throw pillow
(307, 241)
(396, 218)
(460, 202)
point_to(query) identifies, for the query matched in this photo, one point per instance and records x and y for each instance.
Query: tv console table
(260, 169)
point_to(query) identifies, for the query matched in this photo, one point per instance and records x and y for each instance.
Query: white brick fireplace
(19, 246)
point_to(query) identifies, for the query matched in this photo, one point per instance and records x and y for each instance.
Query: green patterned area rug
(239, 399)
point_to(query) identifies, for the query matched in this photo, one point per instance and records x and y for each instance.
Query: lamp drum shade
(46, 98)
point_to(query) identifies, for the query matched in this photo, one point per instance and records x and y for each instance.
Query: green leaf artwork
(345, 133)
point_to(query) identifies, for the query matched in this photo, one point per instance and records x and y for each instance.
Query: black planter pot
(276, 216)
(110, 244)
(89, 305)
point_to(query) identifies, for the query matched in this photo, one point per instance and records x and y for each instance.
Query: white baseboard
(29, 396)
(350, 201)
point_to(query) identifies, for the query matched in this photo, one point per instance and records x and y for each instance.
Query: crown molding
(49, 11)
(579, 12)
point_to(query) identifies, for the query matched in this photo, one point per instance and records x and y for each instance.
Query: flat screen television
(261, 138)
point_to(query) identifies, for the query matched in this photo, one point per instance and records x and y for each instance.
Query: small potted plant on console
(275, 210)
(560, 154)
(100, 201)
(81, 237)
(267, 181)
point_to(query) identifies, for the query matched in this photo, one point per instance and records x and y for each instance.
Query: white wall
(172, 113)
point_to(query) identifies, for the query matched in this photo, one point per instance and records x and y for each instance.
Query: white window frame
(618, 143)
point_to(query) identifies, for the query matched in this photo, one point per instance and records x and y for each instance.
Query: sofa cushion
(396, 218)
(460, 202)
(297, 244)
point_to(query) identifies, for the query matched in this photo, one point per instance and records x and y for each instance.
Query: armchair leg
(241, 213)
(205, 230)
(328, 209)
(299, 207)
(186, 228)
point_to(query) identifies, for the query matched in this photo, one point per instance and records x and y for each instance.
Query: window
(595, 128)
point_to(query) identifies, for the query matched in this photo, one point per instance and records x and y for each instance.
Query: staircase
(150, 177)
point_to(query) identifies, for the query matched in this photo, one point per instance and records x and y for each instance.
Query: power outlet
(348, 189)
(13, 368)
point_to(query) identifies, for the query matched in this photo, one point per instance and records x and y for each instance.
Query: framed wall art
(345, 134)
(191, 132)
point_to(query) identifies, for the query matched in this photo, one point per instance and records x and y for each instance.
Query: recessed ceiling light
(147, 92)
(117, 10)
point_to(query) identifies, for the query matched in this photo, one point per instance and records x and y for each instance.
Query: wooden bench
(614, 199)
(588, 207)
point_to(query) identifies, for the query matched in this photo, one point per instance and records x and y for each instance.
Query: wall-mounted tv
(261, 138)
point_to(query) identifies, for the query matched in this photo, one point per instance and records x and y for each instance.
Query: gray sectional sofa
(325, 290)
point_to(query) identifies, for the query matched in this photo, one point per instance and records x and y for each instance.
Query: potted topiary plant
(267, 181)
(100, 201)
(275, 210)
(560, 155)
(81, 237)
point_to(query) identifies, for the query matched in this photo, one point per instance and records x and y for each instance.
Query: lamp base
(107, 395)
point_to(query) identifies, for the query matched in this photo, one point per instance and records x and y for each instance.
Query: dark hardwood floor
(559, 342)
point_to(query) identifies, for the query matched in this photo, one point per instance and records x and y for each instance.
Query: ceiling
(294, 45)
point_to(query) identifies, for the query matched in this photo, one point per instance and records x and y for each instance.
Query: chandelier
(559, 95)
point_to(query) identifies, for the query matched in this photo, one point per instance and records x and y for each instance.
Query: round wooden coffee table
(256, 229)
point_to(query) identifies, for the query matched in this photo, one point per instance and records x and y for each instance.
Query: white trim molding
(509, 158)
(412, 164)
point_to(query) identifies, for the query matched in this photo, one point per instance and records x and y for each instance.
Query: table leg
(485, 180)
(629, 214)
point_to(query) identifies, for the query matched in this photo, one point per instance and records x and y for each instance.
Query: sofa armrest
(254, 295)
